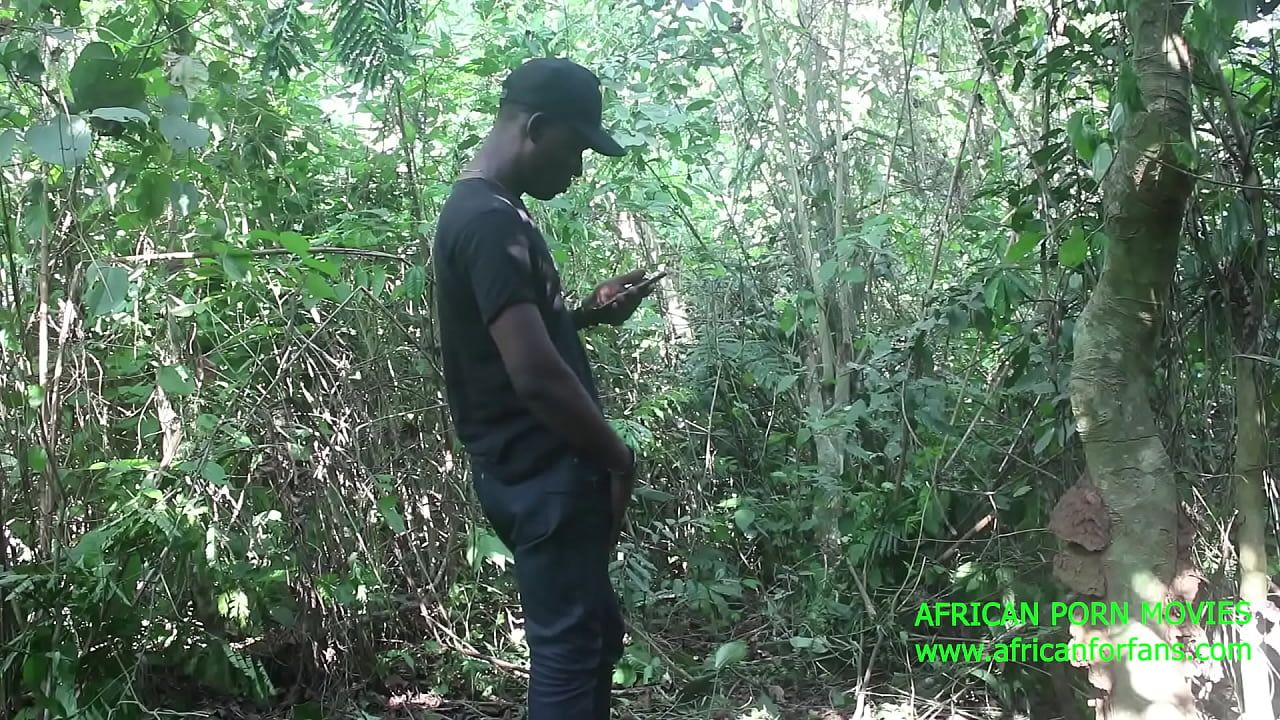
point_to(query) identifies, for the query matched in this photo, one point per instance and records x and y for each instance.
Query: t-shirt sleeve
(494, 258)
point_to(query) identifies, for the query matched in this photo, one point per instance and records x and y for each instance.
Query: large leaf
(1073, 250)
(108, 288)
(1101, 162)
(8, 140)
(391, 514)
(183, 135)
(1028, 240)
(94, 63)
(185, 198)
(1083, 138)
(732, 652)
(175, 380)
(295, 243)
(98, 80)
(190, 74)
(64, 140)
(120, 114)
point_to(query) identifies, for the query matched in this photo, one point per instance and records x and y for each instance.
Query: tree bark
(1248, 291)
(827, 386)
(1144, 198)
(1251, 503)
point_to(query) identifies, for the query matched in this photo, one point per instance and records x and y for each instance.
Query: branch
(169, 256)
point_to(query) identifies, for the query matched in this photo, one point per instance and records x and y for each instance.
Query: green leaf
(485, 546)
(176, 105)
(153, 189)
(1119, 120)
(182, 134)
(64, 140)
(34, 670)
(328, 267)
(284, 616)
(90, 545)
(1026, 242)
(236, 265)
(316, 285)
(175, 380)
(787, 323)
(120, 114)
(732, 652)
(1231, 12)
(1083, 139)
(108, 288)
(184, 197)
(35, 396)
(993, 292)
(1043, 441)
(294, 243)
(189, 73)
(26, 64)
(1186, 154)
(8, 141)
(390, 514)
(827, 271)
(1073, 250)
(743, 517)
(1128, 91)
(1101, 162)
(37, 458)
(214, 473)
(415, 282)
(984, 675)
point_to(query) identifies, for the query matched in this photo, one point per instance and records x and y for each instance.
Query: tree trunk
(827, 385)
(1248, 292)
(1144, 197)
(1251, 503)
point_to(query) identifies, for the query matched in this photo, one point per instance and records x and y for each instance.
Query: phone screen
(638, 287)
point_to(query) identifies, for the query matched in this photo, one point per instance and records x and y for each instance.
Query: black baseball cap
(565, 91)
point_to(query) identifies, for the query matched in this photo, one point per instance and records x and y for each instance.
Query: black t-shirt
(483, 238)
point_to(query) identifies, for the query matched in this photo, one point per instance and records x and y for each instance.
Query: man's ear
(535, 127)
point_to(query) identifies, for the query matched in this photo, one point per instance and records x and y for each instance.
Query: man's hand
(621, 482)
(616, 299)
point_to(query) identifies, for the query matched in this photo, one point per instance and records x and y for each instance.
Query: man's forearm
(562, 404)
(581, 319)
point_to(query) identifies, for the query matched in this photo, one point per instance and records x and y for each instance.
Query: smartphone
(637, 287)
(646, 282)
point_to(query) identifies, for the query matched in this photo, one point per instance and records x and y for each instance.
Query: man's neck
(493, 163)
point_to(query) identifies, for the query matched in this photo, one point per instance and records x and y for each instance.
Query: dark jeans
(556, 524)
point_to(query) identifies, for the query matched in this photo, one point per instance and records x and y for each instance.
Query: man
(551, 475)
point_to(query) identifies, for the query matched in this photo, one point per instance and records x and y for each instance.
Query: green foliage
(226, 460)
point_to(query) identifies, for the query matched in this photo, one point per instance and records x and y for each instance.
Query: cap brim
(601, 141)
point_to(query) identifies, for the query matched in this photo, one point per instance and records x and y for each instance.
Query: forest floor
(630, 704)
(765, 687)
(745, 701)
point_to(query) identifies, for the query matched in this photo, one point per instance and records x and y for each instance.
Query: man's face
(554, 158)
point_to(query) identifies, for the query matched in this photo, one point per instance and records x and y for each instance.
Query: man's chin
(548, 193)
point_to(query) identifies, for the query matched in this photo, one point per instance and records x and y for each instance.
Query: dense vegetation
(931, 263)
